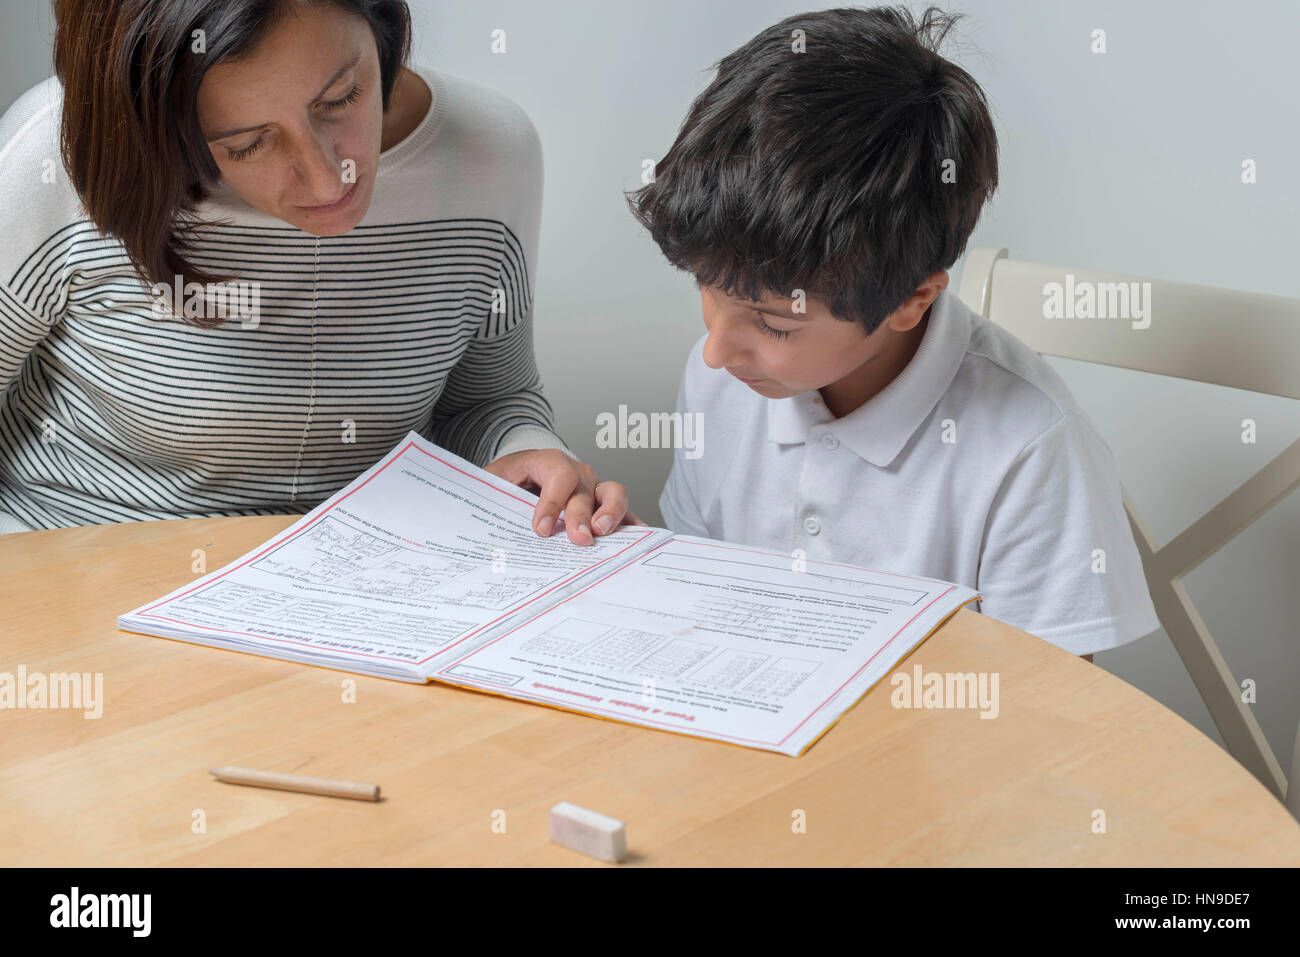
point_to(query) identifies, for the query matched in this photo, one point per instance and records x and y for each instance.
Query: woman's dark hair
(852, 169)
(131, 139)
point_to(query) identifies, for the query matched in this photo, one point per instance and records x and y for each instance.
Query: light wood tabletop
(469, 778)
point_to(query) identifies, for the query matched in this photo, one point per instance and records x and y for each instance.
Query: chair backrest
(1245, 340)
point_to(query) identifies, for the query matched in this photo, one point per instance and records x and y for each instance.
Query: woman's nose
(322, 171)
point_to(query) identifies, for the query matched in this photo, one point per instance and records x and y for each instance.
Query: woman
(247, 249)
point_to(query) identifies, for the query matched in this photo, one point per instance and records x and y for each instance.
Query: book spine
(527, 613)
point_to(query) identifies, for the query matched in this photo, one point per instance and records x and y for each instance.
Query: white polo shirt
(974, 466)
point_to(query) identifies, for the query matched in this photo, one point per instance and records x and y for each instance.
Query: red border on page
(396, 457)
(639, 719)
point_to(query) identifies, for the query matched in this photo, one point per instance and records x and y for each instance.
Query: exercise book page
(421, 555)
(718, 640)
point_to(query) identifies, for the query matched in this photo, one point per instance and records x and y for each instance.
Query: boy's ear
(912, 311)
(931, 286)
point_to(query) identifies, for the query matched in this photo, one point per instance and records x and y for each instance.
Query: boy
(818, 191)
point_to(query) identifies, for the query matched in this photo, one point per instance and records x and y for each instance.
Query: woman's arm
(494, 390)
(21, 330)
(492, 412)
(492, 409)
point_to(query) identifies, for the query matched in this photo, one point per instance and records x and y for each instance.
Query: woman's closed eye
(339, 104)
(330, 106)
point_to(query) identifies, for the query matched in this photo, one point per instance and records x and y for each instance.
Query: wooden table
(885, 786)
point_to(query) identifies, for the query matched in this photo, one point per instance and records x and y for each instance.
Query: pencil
(297, 782)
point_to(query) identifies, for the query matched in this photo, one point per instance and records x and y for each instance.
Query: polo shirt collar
(878, 430)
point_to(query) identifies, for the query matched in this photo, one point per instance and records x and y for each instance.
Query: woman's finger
(611, 506)
(557, 481)
(630, 519)
(577, 511)
(577, 515)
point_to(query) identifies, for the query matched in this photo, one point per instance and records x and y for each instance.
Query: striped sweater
(420, 317)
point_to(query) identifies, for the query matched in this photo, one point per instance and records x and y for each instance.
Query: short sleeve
(1058, 559)
(678, 501)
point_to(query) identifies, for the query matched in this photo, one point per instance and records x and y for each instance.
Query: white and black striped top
(111, 413)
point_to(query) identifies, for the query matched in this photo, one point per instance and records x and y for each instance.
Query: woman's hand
(568, 486)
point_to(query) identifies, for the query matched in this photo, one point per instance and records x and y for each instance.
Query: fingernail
(545, 526)
(603, 523)
(586, 531)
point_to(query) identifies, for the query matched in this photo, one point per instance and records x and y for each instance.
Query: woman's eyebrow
(221, 135)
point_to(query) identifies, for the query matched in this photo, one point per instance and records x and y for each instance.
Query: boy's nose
(720, 347)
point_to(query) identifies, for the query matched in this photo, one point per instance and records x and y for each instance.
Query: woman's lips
(335, 207)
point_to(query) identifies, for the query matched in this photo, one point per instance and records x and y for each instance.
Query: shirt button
(830, 441)
(812, 525)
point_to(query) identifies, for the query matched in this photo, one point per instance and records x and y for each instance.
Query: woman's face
(295, 128)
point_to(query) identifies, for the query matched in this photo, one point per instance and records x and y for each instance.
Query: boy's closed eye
(771, 330)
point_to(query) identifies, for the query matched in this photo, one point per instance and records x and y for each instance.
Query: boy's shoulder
(1012, 387)
(996, 357)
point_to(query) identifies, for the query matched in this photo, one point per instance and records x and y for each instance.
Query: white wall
(1127, 162)
(26, 42)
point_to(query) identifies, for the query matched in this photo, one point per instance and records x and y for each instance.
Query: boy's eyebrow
(223, 134)
(784, 313)
(770, 310)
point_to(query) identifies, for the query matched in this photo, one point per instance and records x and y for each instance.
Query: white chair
(1185, 340)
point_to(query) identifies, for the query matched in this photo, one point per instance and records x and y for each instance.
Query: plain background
(1127, 161)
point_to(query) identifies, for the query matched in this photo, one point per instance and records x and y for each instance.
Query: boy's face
(780, 353)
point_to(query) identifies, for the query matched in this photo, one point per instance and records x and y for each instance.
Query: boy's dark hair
(824, 170)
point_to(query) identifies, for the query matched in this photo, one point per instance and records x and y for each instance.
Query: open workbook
(427, 568)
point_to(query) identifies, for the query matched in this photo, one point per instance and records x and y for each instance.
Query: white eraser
(588, 832)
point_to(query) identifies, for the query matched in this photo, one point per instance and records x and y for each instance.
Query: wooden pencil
(297, 782)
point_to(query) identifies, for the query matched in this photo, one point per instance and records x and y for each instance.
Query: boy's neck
(862, 384)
